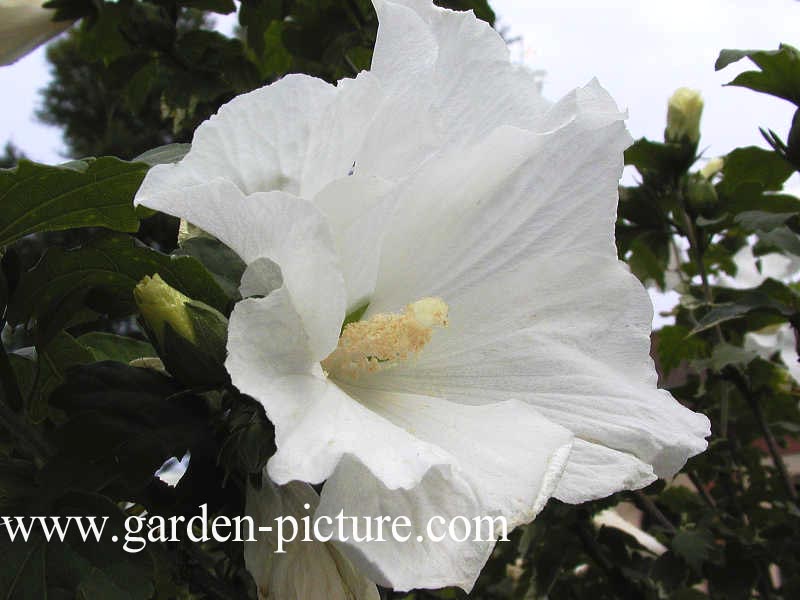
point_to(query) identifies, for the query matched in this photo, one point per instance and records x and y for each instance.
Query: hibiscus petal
(357, 209)
(288, 231)
(596, 471)
(516, 194)
(453, 38)
(505, 460)
(267, 338)
(258, 141)
(316, 423)
(303, 570)
(442, 74)
(571, 337)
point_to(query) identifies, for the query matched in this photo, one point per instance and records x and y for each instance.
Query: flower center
(384, 340)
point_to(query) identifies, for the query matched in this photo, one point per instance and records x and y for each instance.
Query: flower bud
(190, 336)
(712, 167)
(700, 193)
(683, 116)
(160, 303)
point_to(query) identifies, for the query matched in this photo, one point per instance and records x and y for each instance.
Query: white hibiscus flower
(301, 570)
(502, 357)
(25, 25)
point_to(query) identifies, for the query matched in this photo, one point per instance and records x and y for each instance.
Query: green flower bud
(683, 116)
(700, 193)
(160, 303)
(190, 336)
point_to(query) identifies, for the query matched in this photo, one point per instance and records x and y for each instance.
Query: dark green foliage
(11, 156)
(88, 193)
(98, 279)
(778, 74)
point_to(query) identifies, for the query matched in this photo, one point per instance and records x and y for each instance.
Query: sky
(640, 50)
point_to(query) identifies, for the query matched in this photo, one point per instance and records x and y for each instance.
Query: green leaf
(771, 296)
(779, 73)
(647, 155)
(223, 7)
(76, 568)
(754, 165)
(793, 142)
(102, 275)
(675, 344)
(103, 36)
(759, 220)
(724, 355)
(107, 346)
(171, 153)
(693, 546)
(90, 193)
(255, 17)
(781, 239)
(199, 364)
(53, 361)
(251, 438)
(275, 58)
(222, 262)
(25, 371)
(127, 421)
(649, 257)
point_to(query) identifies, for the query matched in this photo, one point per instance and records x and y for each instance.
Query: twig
(766, 432)
(701, 489)
(651, 509)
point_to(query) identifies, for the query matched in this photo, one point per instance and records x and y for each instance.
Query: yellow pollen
(383, 340)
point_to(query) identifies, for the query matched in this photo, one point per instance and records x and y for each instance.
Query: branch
(766, 432)
(651, 509)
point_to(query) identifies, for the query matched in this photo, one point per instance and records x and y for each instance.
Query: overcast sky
(643, 50)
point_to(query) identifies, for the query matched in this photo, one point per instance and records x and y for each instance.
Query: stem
(651, 509)
(696, 250)
(739, 380)
(701, 489)
(766, 432)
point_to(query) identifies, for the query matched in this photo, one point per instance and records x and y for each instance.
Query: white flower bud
(683, 116)
(712, 167)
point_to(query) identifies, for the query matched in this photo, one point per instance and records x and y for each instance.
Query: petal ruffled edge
(505, 460)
